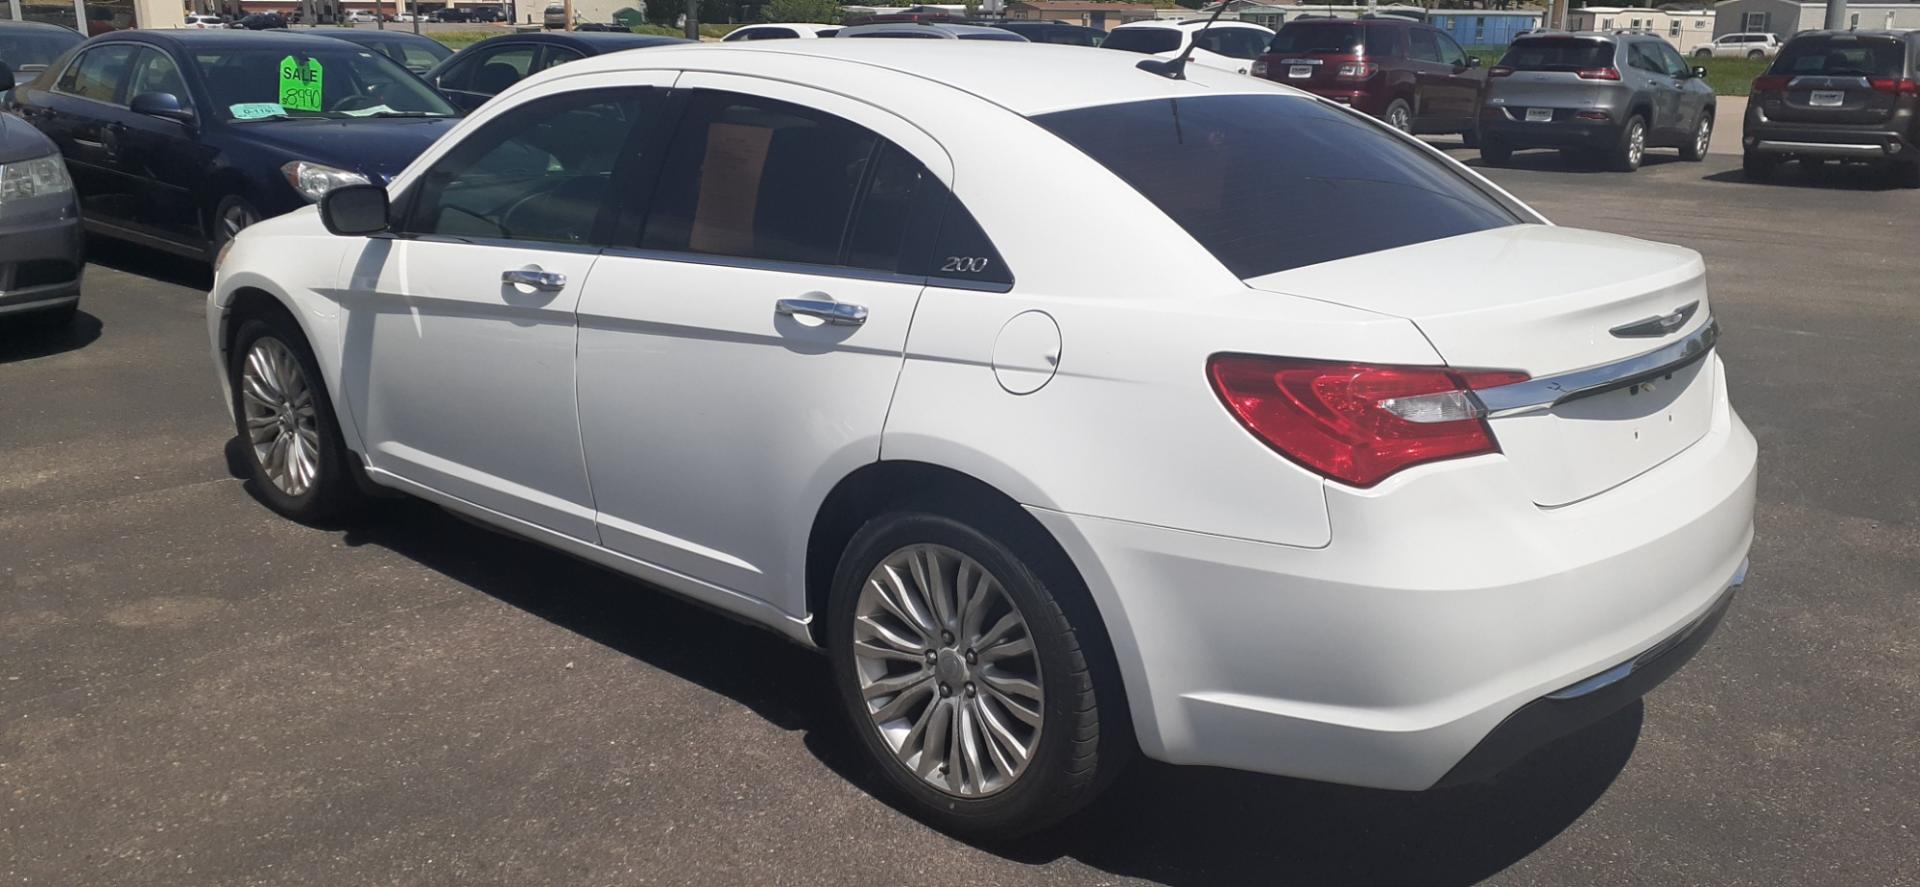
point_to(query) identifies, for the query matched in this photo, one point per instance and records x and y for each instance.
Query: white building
(1685, 29)
(1789, 17)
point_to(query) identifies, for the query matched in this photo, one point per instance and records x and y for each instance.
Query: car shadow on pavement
(1834, 177)
(145, 262)
(1554, 161)
(1173, 825)
(26, 337)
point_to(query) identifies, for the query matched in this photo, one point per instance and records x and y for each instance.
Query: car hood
(20, 141)
(380, 148)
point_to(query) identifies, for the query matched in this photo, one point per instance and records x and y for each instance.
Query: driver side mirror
(6, 77)
(1700, 73)
(1473, 61)
(164, 105)
(355, 210)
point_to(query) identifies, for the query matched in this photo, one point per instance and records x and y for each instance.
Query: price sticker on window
(300, 82)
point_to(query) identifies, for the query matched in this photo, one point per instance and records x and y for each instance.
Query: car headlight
(35, 177)
(314, 180)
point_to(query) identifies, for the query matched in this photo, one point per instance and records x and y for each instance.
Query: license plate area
(1827, 98)
(1539, 115)
(1299, 72)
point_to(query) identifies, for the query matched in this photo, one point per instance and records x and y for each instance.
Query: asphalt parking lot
(194, 691)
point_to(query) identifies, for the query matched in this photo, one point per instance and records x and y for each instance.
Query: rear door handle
(822, 306)
(534, 278)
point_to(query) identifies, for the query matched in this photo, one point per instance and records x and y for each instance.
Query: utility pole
(1836, 15)
(566, 9)
(693, 20)
(416, 14)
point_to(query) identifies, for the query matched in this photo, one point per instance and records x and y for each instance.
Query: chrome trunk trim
(1549, 391)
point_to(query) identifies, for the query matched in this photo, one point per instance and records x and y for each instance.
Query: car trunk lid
(1839, 79)
(1505, 299)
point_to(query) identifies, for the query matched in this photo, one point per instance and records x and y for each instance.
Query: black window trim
(53, 86)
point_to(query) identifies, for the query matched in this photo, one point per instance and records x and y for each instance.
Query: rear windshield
(1842, 56)
(1147, 40)
(1272, 182)
(1557, 54)
(1315, 37)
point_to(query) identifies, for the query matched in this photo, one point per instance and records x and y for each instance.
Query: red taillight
(1358, 423)
(1356, 70)
(1600, 73)
(1499, 71)
(1895, 87)
(1770, 84)
(1593, 115)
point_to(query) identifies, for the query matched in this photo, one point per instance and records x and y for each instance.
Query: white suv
(1225, 45)
(1752, 46)
(1354, 469)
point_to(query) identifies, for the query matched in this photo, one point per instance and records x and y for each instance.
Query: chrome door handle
(534, 278)
(824, 308)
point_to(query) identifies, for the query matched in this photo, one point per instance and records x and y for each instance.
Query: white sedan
(1348, 466)
(779, 31)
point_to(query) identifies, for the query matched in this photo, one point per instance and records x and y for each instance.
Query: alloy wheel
(1704, 137)
(1400, 118)
(235, 218)
(282, 426)
(948, 670)
(1636, 143)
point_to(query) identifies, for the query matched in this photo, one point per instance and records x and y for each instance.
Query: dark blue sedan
(487, 68)
(179, 139)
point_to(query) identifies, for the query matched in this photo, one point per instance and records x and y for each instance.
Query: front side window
(1271, 182)
(99, 73)
(1639, 56)
(758, 178)
(1143, 40)
(542, 172)
(1450, 52)
(156, 72)
(557, 56)
(492, 72)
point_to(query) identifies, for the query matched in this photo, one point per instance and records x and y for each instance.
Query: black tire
(1083, 737)
(1398, 109)
(1755, 54)
(1756, 167)
(1695, 148)
(332, 494)
(1495, 153)
(220, 228)
(1623, 157)
(1703, 53)
(1470, 138)
(1906, 175)
(56, 319)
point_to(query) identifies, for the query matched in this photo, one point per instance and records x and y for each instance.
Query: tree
(822, 11)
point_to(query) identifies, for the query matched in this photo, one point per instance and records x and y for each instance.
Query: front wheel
(1399, 115)
(295, 455)
(1632, 147)
(1756, 54)
(968, 681)
(232, 215)
(1702, 138)
(1703, 53)
(1495, 153)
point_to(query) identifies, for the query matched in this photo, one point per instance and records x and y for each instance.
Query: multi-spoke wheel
(970, 678)
(281, 411)
(1702, 139)
(231, 216)
(1632, 147)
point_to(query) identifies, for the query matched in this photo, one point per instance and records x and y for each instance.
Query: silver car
(1601, 97)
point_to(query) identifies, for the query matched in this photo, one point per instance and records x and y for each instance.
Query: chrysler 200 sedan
(1388, 492)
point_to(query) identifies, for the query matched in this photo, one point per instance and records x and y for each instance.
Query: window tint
(1071, 36)
(541, 172)
(1642, 56)
(769, 34)
(1450, 52)
(1317, 37)
(418, 56)
(156, 72)
(882, 224)
(1270, 182)
(1842, 56)
(32, 50)
(1676, 65)
(1557, 54)
(557, 56)
(490, 73)
(1147, 40)
(98, 73)
(758, 178)
(1239, 43)
(1424, 47)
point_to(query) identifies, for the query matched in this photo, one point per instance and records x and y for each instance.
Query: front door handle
(824, 308)
(534, 278)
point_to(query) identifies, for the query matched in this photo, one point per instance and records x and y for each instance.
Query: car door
(86, 98)
(164, 158)
(1695, 95)
(1431, 109)
(459, 342)
(489, 71)
(738, 354)
(1462, 81)
(1648, 73)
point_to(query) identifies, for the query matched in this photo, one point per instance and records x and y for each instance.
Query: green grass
(459, 40)
(714, 31)
(1726, 76)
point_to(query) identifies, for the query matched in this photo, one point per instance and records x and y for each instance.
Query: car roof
(952, 28)
(359, 34)
(1894, 35)
(1189, 23)
(12, 25)
(597, 41)
(1025, 78)
(189, 38)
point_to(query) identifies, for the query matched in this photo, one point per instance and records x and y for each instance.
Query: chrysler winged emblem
(1655, 327)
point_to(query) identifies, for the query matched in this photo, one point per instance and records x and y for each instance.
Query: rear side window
(1557, 54)
(1315, 37)
(1271, 182)
(98, 73)
(1841, 56)
(1424, 47)
(1147, 40)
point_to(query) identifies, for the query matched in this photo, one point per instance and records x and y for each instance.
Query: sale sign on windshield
(300, 81)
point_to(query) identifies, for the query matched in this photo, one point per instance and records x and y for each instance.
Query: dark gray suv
(1602, 97)
(1838, 95)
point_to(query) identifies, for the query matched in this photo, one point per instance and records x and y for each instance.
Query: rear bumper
(1576, 133)
(1366, 101)
(40, 264)
(1446, 604)
(1893, 141)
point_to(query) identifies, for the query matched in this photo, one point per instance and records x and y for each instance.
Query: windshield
(1841, 56)
(1557, 54)
(22, 52)
(1272, 182)
(264, 83)
(1147, 40)
(1316, 37)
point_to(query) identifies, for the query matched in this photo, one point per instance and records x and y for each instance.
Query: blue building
(1484, 27)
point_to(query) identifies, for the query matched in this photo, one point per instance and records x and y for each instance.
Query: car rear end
(1536, 496)
(1343, 60)
(1837, 95)
(1556, 91)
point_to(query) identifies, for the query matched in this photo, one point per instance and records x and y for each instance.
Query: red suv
(1408, 74)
